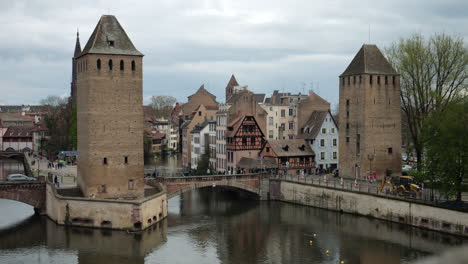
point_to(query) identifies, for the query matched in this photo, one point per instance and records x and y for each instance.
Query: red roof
(158, 135)
(19, 131)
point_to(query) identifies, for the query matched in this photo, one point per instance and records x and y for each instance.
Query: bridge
(30, 192)
(256, 184)
(18, 156)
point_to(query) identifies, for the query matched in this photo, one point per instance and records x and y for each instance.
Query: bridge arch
(32, 193)
(174, 190)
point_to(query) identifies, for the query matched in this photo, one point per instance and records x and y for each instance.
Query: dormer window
(111, 43)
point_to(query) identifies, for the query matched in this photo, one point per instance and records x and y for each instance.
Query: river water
(215, 225)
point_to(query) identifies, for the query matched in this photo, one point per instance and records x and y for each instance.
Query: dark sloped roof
(259, 98)
(19, 131)
(313, 125)
(77, 45)
(110, 38)
(370, 60)
(232, 82)
(294, 147)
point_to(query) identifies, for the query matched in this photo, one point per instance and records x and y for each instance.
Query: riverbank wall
(386, 208)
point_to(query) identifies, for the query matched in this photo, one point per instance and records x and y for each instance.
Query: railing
(209, 177)
(427, 195)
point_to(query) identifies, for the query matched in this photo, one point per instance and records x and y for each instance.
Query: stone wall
(391, 209)
(106, 213)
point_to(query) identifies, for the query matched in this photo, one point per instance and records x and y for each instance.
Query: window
(386, 80)
(283, 127)
(324, 130)
(104, 161)
(110, 65)
(270, 134)
(347, 101)
(133, 65)
(131, 184)
(378, 80)
(111, 43)
(252, 141)
(334, 155)
(347, 113)
(270, 121)
(360, 79)
(354, 79)
(347, 139)
(342, 80)
(322, 155)
(390, 150)
(349, 80)
(271, 108)
(291, 125)
(283, 113)
(334, 142)
(347, 125)
(322, 142)
(333, 130)
(98, 64)
(291, 111)
(125, 160)
(267, 149)
(121, 65)
(393, 80)
(370, 79)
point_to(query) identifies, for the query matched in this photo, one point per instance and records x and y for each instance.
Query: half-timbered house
(244, 138)
(292, 156)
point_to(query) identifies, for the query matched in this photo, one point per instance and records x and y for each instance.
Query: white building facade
(221, 126)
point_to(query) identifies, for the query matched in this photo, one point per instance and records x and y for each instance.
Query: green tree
(433, 73)
(446, 147)
(204, 162)
(73, 131)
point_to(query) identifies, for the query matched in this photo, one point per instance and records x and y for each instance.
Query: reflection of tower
(75, 55)
(110, 110)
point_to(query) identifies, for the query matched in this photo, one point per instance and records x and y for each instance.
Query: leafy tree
(433, 73)
(204, 162)
(446, 147)
(73, 131)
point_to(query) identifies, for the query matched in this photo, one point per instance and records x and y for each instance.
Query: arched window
(133, 65)
(98, 64)
(121, 65)
(110, 65)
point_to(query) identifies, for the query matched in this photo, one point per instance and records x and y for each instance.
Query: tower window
(360, 78)
(121, 65)
(370, 79)
(386, 80)
(349, 80)
(104, 161)
(125, 160)
(98, 64)
(347, 101)
(393, 80)
(111, 43)
(390, 150)
(133, 65)
(347, 125)
(343, 80)
(347, 139)
(354, 79)
(110, 65)
(347, 114)
(378, 80)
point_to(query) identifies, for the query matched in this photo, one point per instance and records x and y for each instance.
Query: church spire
(77, 45)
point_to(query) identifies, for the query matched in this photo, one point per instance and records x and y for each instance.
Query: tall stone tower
(110, 114)
(369, 117)
(74, 69)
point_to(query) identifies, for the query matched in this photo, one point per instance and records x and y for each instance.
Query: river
(216, 225)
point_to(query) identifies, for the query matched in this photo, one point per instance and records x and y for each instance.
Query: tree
(73, 131)
(53, 100)
(204, 163)
(433, 73)
(446, 147)
(162, 105)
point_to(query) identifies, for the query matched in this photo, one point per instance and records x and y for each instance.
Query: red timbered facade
(292, 156)
(244, 138)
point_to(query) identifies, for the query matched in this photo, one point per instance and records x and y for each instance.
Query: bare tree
(162, 104)
(53, 100)
(433, 73)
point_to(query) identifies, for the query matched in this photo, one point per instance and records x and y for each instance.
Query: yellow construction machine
(401, 185)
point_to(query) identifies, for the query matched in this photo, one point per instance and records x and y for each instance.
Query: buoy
(342, 262)
(327, 251)
(315, 235)
(310, 242)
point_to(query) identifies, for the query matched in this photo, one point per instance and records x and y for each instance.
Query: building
(221, 127)
(292, 156)
(158, 142)
(369, 117)
(40, 136)
(244, 139)
(18, 138)
(198, 144)
(200, 97)
(321, 133)
(198, 116)
(110, 110)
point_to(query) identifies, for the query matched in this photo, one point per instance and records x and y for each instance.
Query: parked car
(406, 168)
(19, 177)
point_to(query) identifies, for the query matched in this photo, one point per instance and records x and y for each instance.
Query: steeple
(230, 87)
(369, 60)
(77, 45)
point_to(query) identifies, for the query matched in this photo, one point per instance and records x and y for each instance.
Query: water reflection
(165, 165)
(214, 225)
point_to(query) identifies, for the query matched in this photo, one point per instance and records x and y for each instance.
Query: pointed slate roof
(232, 82)
(77, 46)
(110, 38)
(369, 60)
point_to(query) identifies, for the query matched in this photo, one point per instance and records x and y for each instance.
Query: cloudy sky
(284, 45)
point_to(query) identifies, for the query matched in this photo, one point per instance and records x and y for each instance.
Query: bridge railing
(210, 177)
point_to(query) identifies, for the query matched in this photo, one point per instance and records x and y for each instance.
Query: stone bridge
(31, 192)
(18, 156)
(254, 183)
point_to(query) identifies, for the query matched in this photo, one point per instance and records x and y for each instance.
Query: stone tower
(110, 114)
(230, 87)
(369, 117)
(75, 55)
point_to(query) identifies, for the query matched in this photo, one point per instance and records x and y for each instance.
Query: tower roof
(110, 38)
(77, 45)
(369, 60)
(232, 82)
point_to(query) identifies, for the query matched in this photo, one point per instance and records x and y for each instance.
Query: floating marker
(315, 235)
(310, 241)
(342, 262)
(327, 251)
